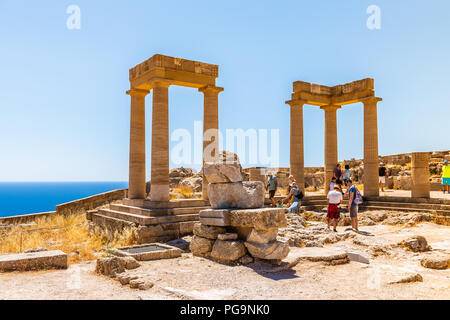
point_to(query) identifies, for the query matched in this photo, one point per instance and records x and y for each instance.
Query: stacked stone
(238, 224)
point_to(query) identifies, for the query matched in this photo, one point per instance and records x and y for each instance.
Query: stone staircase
(155, 221)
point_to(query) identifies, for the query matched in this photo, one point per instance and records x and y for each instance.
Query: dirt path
(190, 277)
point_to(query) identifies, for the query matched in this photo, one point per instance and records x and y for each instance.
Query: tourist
(382, 173)
(332, 183)
(334, 200)
(445, 176)
(337, 173)
(346, 174)
(296, 194)
(352, 205)
(272, 186)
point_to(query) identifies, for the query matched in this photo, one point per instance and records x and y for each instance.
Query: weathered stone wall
(91, 202)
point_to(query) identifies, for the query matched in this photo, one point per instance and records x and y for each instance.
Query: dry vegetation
(70, 234)
(185, 191)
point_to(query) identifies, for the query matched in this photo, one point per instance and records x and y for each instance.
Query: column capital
(137, 92)
(210, 89)
(370, 100)
(330, 107)
(296, 102)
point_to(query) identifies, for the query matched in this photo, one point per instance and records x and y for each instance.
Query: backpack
(358, 197)
(299, 194)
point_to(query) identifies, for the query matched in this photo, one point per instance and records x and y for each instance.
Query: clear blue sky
(65, 115)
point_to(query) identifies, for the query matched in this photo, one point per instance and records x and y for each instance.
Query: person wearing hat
(296, 194)
(445, 176)
(334, 200)
(272, 186)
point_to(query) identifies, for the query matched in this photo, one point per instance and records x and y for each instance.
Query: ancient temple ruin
(331, 99)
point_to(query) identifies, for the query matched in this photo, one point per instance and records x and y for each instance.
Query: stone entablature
(176, 70)
(320, 95)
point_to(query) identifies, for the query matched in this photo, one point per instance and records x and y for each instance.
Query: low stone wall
(25, 218)
(91, 202)
(88, 203)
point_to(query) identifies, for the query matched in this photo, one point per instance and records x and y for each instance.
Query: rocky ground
(408, 259)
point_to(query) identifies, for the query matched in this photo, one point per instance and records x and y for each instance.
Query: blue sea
(17, 198)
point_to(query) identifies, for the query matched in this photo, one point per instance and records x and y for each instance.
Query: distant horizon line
(64, 181)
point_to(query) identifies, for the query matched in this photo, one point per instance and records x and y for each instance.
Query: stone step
(177, 203)
(157, 212)
(314, 202)
(145, 220)
(109, 222)
(147, 233)
(363, 207)
(429, 206)
(406, 209)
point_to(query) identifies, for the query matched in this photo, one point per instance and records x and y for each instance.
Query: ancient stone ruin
(237, 228)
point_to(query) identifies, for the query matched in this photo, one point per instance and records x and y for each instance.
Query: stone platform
(156, 221)
(229, 235)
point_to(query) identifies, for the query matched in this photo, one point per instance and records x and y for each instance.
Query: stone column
(420, 175)
(136, 182)
(210, 127)
(296, 143)
(371, 147)
(160, 142)
(331, 150)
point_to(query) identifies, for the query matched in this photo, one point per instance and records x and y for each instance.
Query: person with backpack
(354, 199)
(297, 196)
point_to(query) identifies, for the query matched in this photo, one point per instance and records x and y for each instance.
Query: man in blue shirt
(352, 205)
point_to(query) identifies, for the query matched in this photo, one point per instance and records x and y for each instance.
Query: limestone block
(209, 232)
(112, 266)
(276, 250)
(42, 260)
(262, 236)
(215, 217)
(227, 236)
(228, 251)
(260, 219)
(200, 245)
(436, 261)
(416, 244)
(222, 173)
(246, 194)
(219, 222)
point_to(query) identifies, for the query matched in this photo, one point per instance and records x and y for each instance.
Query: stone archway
(330, 99)
(157, 74)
